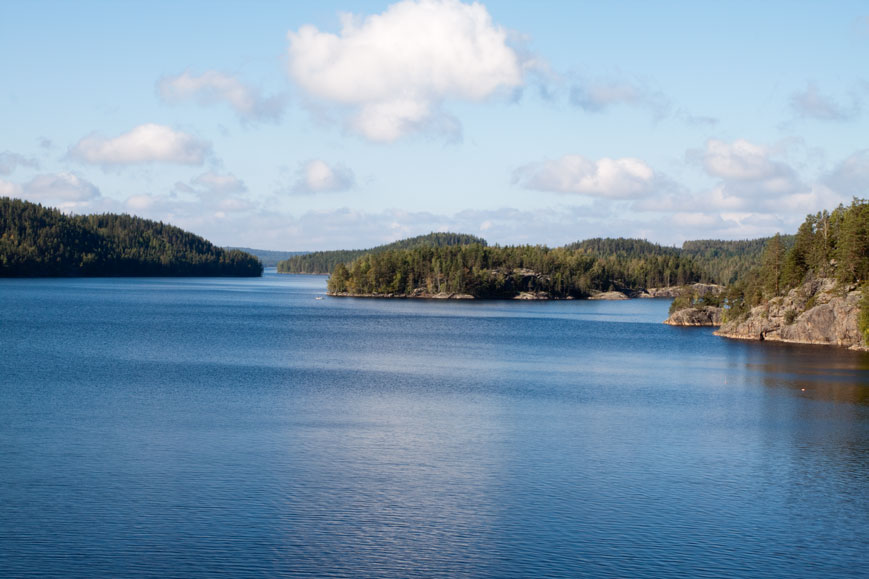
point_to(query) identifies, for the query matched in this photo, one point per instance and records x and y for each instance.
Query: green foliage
(38, 241)
(726, 262)
(790, 316)
(772, 264)
(502, 272)
(864, 314)
(827, 245)
(574, 270)
(325, 261)
(681, 302)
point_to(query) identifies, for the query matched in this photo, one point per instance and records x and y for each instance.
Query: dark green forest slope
(39, 241)
(325, 261)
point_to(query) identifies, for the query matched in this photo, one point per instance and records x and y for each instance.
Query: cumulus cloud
(625, 178)
(394, 70)
(810, 103)
(317, 176)
(214, 87)
(752, 181)
(740, 160)
(10, 161)
(598, 95)
(748, 171)
(144, 144)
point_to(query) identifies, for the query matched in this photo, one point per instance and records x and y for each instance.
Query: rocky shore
(698, 289)
(529, 278)
(704, 316)
(818, 312)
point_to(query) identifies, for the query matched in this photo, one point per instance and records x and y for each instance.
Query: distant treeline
(576, 270)
(722, 262)
(270, 258)
(827, 245)
(325, 261)
(40, 241)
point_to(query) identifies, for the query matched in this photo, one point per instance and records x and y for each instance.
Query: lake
(190, 427)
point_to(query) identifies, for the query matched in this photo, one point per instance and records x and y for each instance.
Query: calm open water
(188, 427)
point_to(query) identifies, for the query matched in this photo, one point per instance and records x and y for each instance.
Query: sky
(329, 125)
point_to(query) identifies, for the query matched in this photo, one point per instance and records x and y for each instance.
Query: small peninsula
(809, 288)
(814, 290)
(37, 241)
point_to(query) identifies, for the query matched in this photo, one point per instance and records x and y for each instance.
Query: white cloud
(67, 187)
(214, 87)
(394, 69)
(143, 144)
(10, 161)
(598, 95)
(740, 160)
(810, 103)
(749, 173)
(317, 176)
(625, 178)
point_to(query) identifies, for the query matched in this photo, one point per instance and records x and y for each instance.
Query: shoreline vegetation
(808, 288)
(811, 287)
(37, 241)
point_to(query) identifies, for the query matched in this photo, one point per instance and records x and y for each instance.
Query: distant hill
(729, 261)
(325, 261)
(621, 246)
(267, 256)
(40, 241)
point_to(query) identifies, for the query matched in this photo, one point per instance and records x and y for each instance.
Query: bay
(188, 427)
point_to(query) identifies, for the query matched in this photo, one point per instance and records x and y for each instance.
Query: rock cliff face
(705, 316)
(818, 312)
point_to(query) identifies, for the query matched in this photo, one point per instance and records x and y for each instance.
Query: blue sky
(332, 125)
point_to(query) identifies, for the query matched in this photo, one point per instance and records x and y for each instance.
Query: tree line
(575, 270)
(40, 241)
(827, 245)
(498, 272)
(319, 262)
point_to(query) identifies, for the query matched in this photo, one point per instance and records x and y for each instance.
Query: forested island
(37, 241)
(579, 270)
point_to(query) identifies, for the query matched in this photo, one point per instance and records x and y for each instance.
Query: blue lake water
(189, 427)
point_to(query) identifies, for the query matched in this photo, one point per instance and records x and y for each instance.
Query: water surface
(185, 427)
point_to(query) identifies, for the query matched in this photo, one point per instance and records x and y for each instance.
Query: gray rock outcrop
(704, 316)
(818, 312)
(608, 296)
(698, 289)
